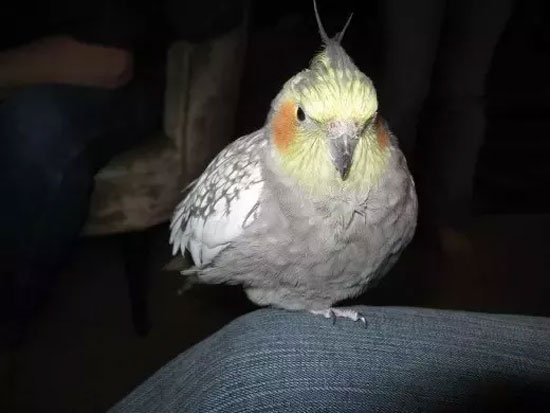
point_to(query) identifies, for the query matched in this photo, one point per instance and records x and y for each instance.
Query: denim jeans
(53, 139)
(407, 359)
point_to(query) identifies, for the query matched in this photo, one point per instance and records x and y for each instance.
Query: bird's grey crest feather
(339, 36)
(337, 57)
(322, 31)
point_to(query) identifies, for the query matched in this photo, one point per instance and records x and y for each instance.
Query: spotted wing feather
(223, 201)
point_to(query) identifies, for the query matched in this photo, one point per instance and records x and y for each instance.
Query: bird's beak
(342, 149)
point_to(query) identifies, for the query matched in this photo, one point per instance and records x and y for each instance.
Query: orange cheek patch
(382, 133)
(284, 125)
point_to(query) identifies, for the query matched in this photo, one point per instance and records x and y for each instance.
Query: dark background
(82, 354)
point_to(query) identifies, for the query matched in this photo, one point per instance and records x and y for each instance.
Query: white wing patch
(223, 201)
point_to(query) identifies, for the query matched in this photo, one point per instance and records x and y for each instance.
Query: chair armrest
(176, 95)
(203, 83)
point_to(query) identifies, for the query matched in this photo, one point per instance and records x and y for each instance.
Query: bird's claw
(334, 313)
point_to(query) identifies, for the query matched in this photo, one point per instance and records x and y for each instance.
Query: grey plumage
(292, 251)
(252, 220)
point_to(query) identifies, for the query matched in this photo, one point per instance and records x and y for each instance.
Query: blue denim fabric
(407, 359)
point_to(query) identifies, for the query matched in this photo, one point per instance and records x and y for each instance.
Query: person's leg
(54, 139)
(455, 124)
(411, 32)
(405, 360)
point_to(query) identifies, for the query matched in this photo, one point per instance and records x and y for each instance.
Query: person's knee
(256, 329)
(253, 336)
(252, 362)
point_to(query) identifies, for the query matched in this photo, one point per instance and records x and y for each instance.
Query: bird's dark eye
(300, 114)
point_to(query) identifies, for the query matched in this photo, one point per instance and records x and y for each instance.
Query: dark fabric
(128, 24)
(436, 57)
(144, 27)
(54, 139)
(198, 21)
(136, 26)
(108, 22)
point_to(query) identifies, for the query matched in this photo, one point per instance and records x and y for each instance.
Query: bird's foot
(335, 313)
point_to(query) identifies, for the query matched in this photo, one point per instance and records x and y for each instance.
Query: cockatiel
(306, 211)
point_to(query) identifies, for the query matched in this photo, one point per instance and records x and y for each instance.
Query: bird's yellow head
(324, 125)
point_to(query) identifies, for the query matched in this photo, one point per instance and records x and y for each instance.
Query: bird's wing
(223, 201)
